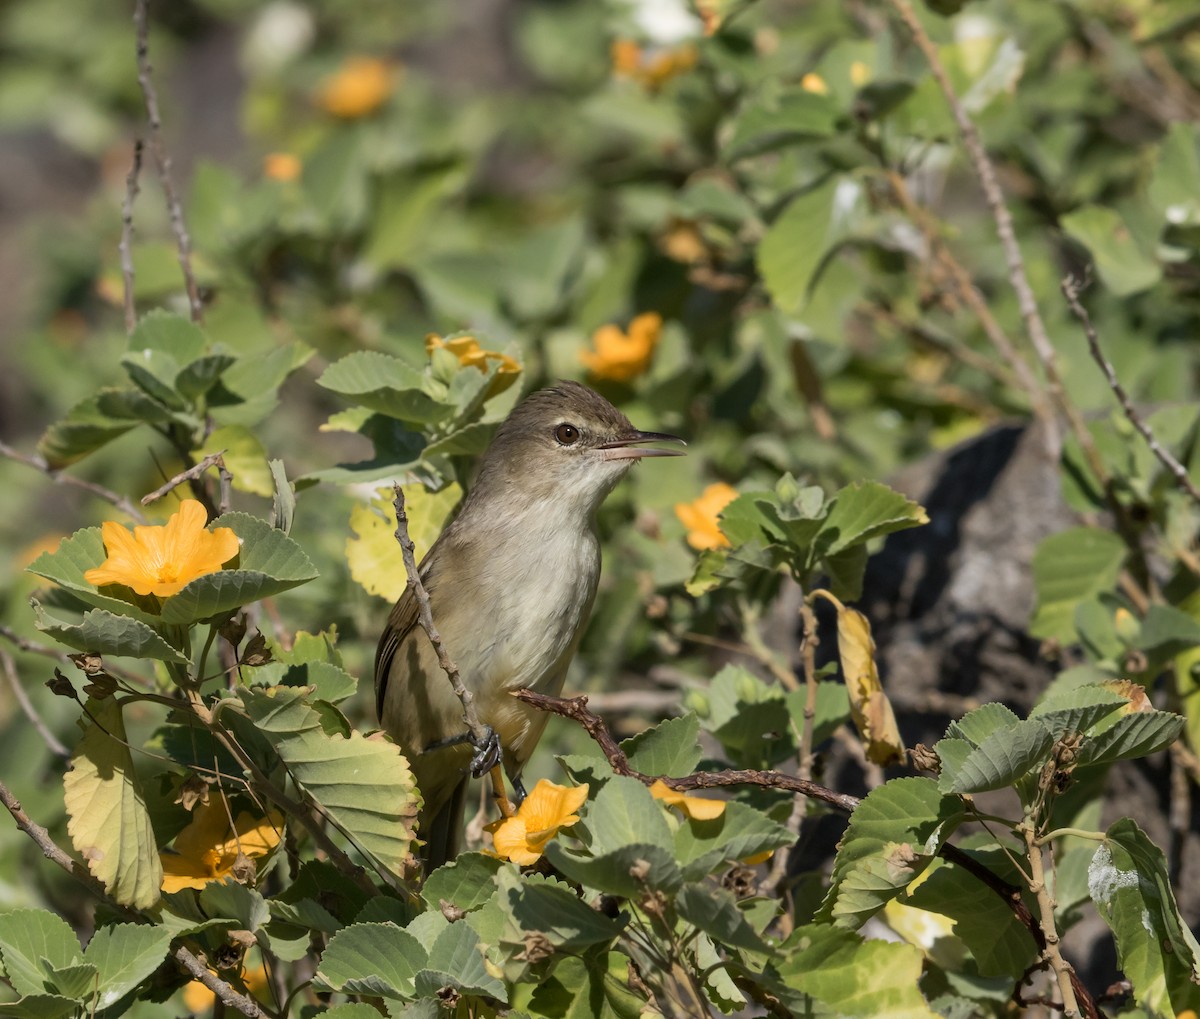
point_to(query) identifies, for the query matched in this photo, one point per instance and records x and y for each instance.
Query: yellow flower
(651, 68)
(359, 87)
(469, 352)
(206, 850)
(701, 518)
(282, 166)
(626, 57)
(161, 560)
(620, 357)
(198, 999)
(682, 242)
(522, 838)
(696, 807)
(813, 82)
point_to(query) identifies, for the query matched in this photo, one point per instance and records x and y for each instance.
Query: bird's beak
(630, 447)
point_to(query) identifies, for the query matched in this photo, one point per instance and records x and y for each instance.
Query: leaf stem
(1079, 833)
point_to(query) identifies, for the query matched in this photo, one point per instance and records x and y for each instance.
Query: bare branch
(1071, 288)
(38, 463)
(132, 186)
(479, 732)
(162, 160)
(191, 474)
(14, 681)
(55, 854)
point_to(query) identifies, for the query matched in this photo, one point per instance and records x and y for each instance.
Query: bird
(511, 581)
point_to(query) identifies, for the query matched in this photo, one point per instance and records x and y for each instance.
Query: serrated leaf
(455, 960)
(105, 633)
(32, 941)
(373, 553)
(740, 832)
(670, 748)
(904, 811)
(125, 955)
(1067, 568)
(766, 124)
(975, 726)
(363, 785)
(79, 981)
(269, 562)
(867, 510)
(797, 244)
(108, 821)
(1129, 883)
(855, 977)
(553, 910)
(715, 912)
(624, 813)
(1003, 757)
(1136, 734)
(371, 958)
(467, 882)
(84, 430)
(41, 1006)
(386, 385)
(627, 872)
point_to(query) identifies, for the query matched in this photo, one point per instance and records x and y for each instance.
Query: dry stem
(38, 463)
(132, 187)
(1050, 942)
(191, 474)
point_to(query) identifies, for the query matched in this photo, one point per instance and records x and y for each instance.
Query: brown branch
(55, 854)
(191, 474)
(576, 709)
(1071, 288)
(38, 463)
(479, 732)
(126, 246)
(14, 681)
(162, 160)
(1035, 328)
(1051, 952)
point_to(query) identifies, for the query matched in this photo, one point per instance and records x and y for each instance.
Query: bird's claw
(487, 752)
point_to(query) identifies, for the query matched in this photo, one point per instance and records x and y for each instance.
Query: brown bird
(511, 583)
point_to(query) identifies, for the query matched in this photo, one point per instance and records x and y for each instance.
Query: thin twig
(132, 186)
(1050, 941)
(479, 732)
(1071, 288)
(1035, 328)
(38, 463)
(191, 474)
(14, 681)
(162, 160)
(55, 854)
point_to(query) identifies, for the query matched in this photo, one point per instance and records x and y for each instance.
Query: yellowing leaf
(374, 554)
(245, 458)
(108, 822)
(869, 706)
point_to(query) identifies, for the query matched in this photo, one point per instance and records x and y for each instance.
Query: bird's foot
(487, 752)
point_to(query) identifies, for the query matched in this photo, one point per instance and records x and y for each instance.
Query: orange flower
(358, 88)
(620, 357)
(698, 808)
(702, 517)
(522, 838)
(198, 999)
(469, 352)
(162, 560)
(651, 68)
(206, 850)
(282, 166)
(813, 82)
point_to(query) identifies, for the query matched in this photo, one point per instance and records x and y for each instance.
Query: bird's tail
(442, 830)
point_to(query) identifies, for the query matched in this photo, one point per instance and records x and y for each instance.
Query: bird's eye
(567, 434)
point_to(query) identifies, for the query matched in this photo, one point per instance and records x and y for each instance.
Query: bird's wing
(400, 624)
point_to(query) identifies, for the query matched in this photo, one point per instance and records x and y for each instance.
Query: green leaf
(976, 726)
(165, 332)
(269, 562)
(1123, 265)
(386, 385)
(1068, 567)
(467, 882)
(1003, 757)
(41, 1006)
(1172, 188)
(245, 458)
(125, 954)
(105, 633)
(627, 872)
(905, 811)
(283, 502)
(455, 960)
(353, 1010)
(749, 717)
(670, 748)
(1129, 883)
(715, 912)
(79, 981)
(1136, 734)
(107, 817)
(740, 832)
(866, 510)
(625, 813)
(33, 941)
(854, 977)
(768, 123)
(82, 551)
(198, 377)
(363, 785)
(544, 906)
(371, 958)
(84, 430)
(133, 405)
(793, 250)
